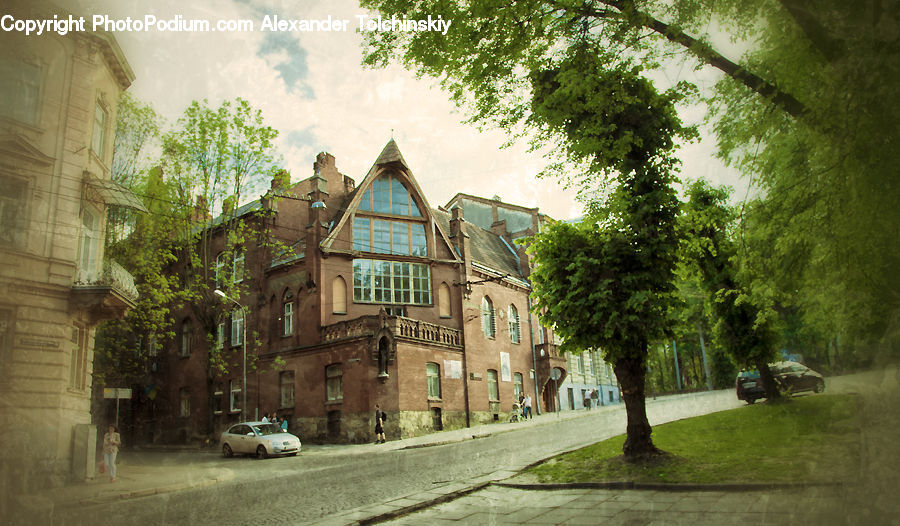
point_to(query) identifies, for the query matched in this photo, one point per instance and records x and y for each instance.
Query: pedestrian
(595, 397)
(274, 418)
(265, 418)
(587, 399)
(284, 424)
(528, 406)
(111, 442)
(379, 425)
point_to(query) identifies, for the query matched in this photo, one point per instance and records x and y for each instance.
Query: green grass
(812, 438)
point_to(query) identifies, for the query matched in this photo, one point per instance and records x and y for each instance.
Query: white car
(258, 438)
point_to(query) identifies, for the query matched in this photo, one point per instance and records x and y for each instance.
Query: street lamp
(221, 294)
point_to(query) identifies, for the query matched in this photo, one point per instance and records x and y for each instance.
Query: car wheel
(227, 452)
(820, 386)
(751, 401)
(261, 452)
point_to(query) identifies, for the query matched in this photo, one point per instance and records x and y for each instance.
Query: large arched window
(220, 270)
(338, 295)
(515, 334)
(387, 195)
(487, 317)
(444, 301)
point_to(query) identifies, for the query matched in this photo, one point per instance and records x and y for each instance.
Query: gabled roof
(389, 155)
(487, 248)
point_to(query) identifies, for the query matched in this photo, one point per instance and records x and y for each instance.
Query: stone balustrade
(401, 327)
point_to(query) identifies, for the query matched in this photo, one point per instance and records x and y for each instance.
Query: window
(596, 363)
(444, 301)
(493, 390)
(152, 346)
(90, 237)
(220, 270)
(518, 385)
(234, 396)
(220, 335)
(237, 327)
(391, 282)
(98, 141)
(237, 268)
(579, 361)
(20, 84)
(288, 312)
(514, 333)
(433, 376)
(339, 295)
(287, 388)
(333, 382)
(187, 337)
(487, 317)
(218, 396)
(184, 396)
(388, 195)
(12, 209)
(389, 237)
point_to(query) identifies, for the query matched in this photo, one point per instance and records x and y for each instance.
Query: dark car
(791, 377)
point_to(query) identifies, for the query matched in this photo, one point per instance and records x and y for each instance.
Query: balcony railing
(112, 276)
(401, 327)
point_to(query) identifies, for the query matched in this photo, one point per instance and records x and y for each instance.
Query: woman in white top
(111, 442)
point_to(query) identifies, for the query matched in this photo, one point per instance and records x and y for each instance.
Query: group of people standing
(274, 419)
(525, 405)
(591, 398)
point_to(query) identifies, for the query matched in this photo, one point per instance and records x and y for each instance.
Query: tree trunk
(773, 391)
(638, 445)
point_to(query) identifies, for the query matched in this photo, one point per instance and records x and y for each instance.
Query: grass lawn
(809, 438)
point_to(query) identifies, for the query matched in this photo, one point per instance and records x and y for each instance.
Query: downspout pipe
(537, 397)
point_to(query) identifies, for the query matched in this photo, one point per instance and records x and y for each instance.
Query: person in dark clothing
(379, 425)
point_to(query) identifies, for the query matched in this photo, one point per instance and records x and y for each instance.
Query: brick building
(58, 102)
(360, 295)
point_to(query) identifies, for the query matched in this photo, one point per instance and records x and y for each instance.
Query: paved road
(328, 480)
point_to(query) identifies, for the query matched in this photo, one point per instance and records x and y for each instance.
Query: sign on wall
(505, 373)
(453, 369)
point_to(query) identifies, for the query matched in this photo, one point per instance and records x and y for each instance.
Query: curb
(662, 486)
(422, 505)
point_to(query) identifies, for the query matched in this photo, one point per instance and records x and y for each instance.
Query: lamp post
(221, 294)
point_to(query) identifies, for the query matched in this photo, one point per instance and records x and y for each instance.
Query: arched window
(339, 295)
(444, 301)
(388, 195)
(515, 335)
(220, 270)
(288, 311)
(487, 317)
(187, 337)
(334, 375)
(433, 376)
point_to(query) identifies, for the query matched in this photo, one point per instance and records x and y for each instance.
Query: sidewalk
(499, 500)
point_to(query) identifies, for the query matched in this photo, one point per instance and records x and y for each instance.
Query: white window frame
(286, 387)
(234, 395)
(334, 375)
(237, 327)
(100, 129)
(515, 333)
(488, 320)
(288, 318)
(433, 380)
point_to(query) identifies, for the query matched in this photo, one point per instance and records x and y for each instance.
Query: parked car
(791, 377)
(258, 438)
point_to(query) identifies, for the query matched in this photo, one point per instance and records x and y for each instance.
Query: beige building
(58, 97)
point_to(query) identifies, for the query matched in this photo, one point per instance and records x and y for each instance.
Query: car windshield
(267, 429)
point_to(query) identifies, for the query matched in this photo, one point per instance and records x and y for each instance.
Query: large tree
(608, 283)
(807, 111)
(743, 324)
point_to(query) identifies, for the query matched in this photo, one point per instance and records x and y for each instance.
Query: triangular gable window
(387, 195)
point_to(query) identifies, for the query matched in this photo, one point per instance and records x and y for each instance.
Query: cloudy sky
(312, 88)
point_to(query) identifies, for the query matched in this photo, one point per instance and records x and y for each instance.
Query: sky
(312, 88)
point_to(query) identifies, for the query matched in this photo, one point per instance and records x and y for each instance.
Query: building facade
(58, 98)
(361, 295)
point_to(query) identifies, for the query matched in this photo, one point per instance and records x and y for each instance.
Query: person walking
(379, 425)
(111, 443)
(528, 406)
(595, 397)
(587, 399)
